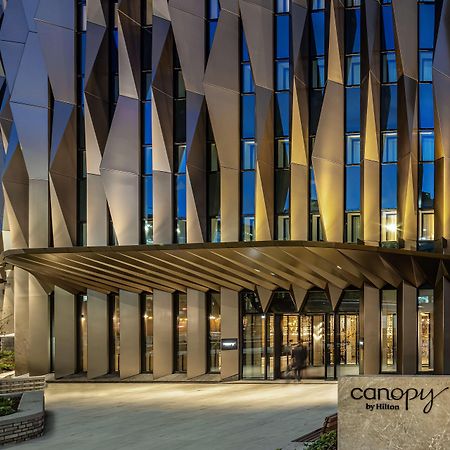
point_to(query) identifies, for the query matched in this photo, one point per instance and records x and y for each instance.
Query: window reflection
(425, 329)
(181, 333)
(388, 330)
(147, 338)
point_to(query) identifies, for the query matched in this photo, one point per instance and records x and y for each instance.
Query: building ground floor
(377, 313)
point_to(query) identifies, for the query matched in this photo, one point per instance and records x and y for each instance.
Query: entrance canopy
(295, 265)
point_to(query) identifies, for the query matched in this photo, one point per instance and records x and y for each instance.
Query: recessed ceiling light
(339, 267)
(271, 273)
(257, 270)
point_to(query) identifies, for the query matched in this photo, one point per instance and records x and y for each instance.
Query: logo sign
(229, 344)
(381, 412)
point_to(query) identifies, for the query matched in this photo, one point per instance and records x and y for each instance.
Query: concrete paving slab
(172, 416)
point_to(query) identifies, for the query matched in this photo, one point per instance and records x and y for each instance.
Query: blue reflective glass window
(426, 145)
(389, 186)
(352, 31)
(426, 114)
(147, 163)
(388, 68)
(282, 39)
(318, 72)
(148, 86)
(317, 4)
(181, 196)
(282, 75)
(282, 186)
(212, 27)
(245, 54)
(315, 108)
(248, 192)
(248, 116)
(353, 149)
(318, 34)
(248, 228)
(426, 187)
(426, 66)
(314, 204)
(148, 197)
(353, 69)
(282, 6)
(426, 26)
(387, 28)
(181, 159)
(248, 155)
(352, 188)
(282, 114)
(388, 107)
(352, 110)
(389, 149)
(147, 119)
(247, 79)
(213, 9)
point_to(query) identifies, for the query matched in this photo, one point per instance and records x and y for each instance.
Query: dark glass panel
(245, 54)
(213, 194)
(426, 26)
(426, 116)
(315, 108)
(389, 186)
(282, 302)
(282, 37)
(282, 114)
(147, 123)
(180, 120)
(181, 196)
(388, 68)
(353, 68)
(248, 116)
(352, 31)
(82, 204)
(248, 192)
(318, 73)
(352, 110)
(387, 28)
(147, 94)
(426, 186)
(247, 79)
(388, 107)
(317, 302)
(282, 189)
(248, 155)
(318, 33)
(314, 204)
(146, 49)
(181, 156)
(147, 166)
(353, 188)
(282, 75)
(148, 197)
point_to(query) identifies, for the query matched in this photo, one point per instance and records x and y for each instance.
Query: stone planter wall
(27, 422)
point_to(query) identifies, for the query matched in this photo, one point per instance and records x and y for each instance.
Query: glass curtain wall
(425, 330)
(389, 330)
(181, 333)
(426, 124)
(248, 146)
(82, 332)
(146, 126)
(388, 128)
(114, 306)
(253, 337)
(213, 11)
(352, 119)
(214, 333)
(318, 77)
(147, 333)
(282, 118)
(179, 117)
(81, 138)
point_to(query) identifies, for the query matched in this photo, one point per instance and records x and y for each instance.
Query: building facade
(195, 186)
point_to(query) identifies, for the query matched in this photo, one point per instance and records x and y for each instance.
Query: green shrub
(327, 441)
(7, 360)
(8, 406)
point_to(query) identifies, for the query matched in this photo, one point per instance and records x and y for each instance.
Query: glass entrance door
(312, 336)
(347, 344)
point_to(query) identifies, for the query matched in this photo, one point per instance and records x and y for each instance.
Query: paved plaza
(171, 416)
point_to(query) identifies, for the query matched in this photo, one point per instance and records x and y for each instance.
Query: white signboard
(394, 412)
